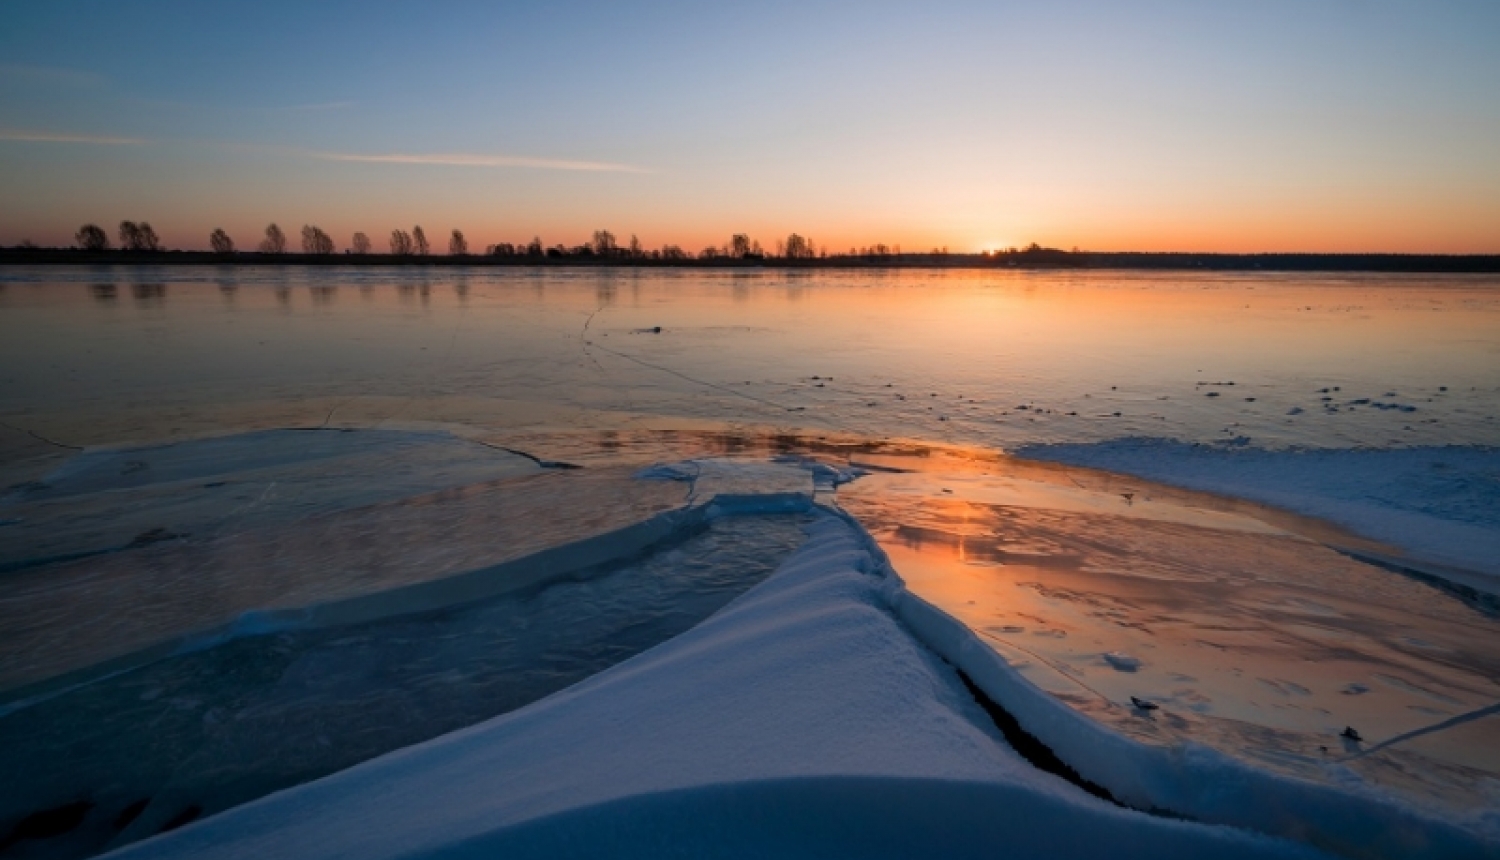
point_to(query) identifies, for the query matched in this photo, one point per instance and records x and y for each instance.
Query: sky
(1275, 125)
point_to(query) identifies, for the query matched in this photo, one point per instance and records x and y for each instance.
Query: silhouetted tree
(91, 237)
(635, 248)
(739, 245)
(401, 244)
(148, 239)
(458, 246)
(220, 242)
(361, 243)
(798, 248)
(504, 249)
(275, 241)
(315, 241)
(673, 252)
(130, 236)
(604, 243)
(419, 241)
(534, 247)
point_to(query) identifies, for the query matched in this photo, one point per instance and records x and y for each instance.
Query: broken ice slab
(108, 499)
(197, 733)
(1251, 634)
(116, 609)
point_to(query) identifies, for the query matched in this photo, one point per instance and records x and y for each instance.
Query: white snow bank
(801, 720)
(1440, 504)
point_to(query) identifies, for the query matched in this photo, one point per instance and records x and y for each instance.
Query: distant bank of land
(1043, 258)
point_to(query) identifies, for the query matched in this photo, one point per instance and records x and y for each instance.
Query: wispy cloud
(473, 160)
(59, 137)
(52, 75)
(318, 106)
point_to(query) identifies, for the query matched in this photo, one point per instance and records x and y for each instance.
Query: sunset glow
(1271, 127)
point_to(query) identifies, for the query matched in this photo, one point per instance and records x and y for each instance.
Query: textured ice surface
(1258, 645)
(113, 498)
(343, 559)
(211, 729)
(799, 721)
(1437, 504)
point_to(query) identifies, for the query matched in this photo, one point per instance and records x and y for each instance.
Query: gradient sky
(1298, 125)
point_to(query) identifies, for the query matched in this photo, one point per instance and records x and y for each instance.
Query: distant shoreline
(1020, 260)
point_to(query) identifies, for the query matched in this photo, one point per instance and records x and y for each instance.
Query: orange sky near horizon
(1165, 126)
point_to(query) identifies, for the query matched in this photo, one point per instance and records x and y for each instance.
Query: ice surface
(109, 499)
(345, 560)
(1252, 642)
(1438, 504)
(218, 727)
(799, 721)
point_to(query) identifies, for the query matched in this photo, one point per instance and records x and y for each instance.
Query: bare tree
(739, 245)
(148, 239)
(458, 246)
(275, 241)
(130, 236)
(604, 243)
(315, 241)
(534, 247)
(635, 248)
(401, 244)
(419, 241)
(220, 242)
(798, 248)
(361, 243)
(91, 237)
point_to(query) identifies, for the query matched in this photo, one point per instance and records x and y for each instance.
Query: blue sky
(1159, 125)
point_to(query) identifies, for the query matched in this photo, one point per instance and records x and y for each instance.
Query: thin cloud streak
(471, 160)
(318, 106)
(55, 137)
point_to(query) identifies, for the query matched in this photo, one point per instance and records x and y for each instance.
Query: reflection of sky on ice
(463, 391)
(1249, 633)
(978, 358)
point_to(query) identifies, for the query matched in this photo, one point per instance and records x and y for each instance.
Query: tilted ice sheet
(195, 734)
(186, 583)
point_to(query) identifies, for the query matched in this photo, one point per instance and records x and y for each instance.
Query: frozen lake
(348, 510)
(993, 359)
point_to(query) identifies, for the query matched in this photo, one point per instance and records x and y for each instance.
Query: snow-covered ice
(802, 720)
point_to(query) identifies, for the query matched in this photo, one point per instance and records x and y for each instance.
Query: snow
(1439, 504)
(801, 720)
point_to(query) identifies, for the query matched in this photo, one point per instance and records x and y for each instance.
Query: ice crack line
(545, 464)
(41, 438)
(1427, 730)
(714, 385)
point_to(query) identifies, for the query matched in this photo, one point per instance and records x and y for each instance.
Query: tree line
(315, 241)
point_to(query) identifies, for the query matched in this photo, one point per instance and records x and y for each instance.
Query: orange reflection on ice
(1254, 637)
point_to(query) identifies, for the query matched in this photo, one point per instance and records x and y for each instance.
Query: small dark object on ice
(1143, 704)
(1351, 734)
(656, 329)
